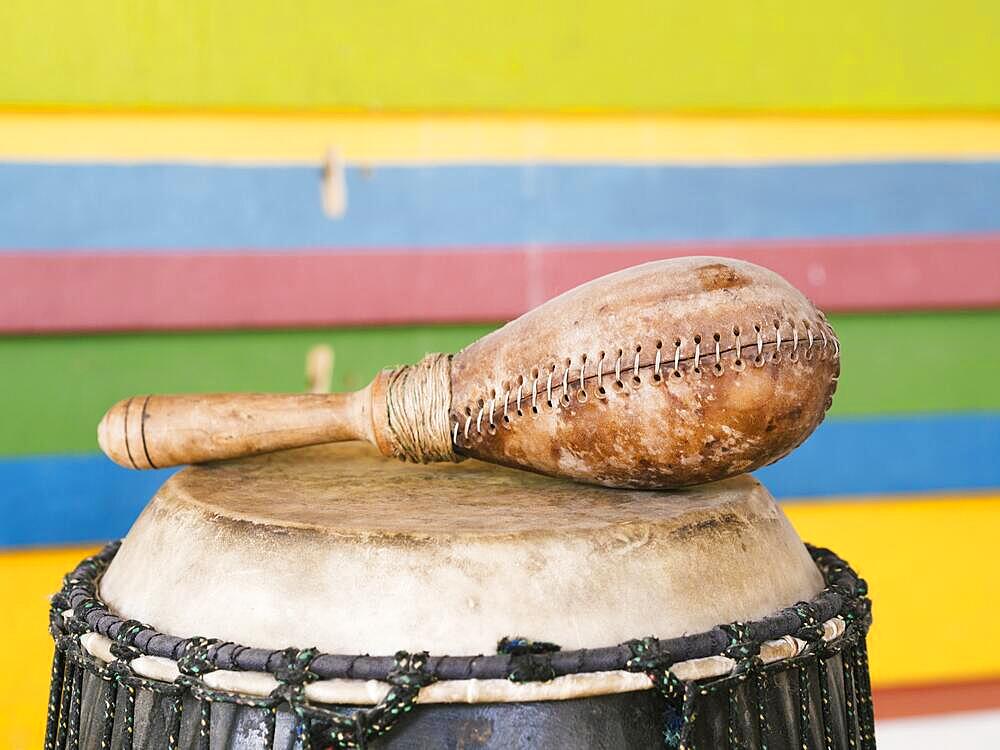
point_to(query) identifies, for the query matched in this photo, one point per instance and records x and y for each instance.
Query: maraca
(666, 374)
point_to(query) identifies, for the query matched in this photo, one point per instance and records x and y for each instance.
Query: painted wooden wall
(162, 172)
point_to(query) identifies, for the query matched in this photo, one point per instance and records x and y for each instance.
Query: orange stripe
(941, 698)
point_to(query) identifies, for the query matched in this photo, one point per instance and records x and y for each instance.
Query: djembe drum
(501, 610)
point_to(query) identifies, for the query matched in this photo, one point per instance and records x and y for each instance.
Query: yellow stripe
(27, 579)
(930, 563)
(464, 139)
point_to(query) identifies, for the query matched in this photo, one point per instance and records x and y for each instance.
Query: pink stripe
(839, 275)
(52, 292)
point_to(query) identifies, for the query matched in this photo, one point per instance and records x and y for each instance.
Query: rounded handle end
(120, 434)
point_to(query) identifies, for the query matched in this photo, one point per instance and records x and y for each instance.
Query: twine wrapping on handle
(418, 400)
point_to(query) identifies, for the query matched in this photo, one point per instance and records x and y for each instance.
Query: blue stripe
(171, 206)
(66, 499)
(883, 455)
(51, 500)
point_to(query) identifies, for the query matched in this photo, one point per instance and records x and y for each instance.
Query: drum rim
(78, 608)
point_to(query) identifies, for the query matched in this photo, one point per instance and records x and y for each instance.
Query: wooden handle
(152, 432)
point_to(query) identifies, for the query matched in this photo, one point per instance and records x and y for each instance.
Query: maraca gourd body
(663, 375)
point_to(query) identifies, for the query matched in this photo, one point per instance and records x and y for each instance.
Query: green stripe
(918, 362)
(56, 388)
(560, 55)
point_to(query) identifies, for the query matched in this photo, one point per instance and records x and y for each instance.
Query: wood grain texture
(562, 56)
(152, 432)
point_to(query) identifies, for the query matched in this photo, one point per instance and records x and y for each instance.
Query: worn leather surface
(340, 548)
(712, 417)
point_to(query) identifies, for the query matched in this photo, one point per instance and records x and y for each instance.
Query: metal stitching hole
(636, 381)
(602, 392)
(716, 337)
(717, 368)
(676, 374)
(759, 360)
(565, 399)
(657, 378)
(739, 365)
(697, 339)
(659, 344)
(736, 330)
(581, 396)
(619, 385)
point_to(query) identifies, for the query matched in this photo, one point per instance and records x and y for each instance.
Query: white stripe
(979, 730)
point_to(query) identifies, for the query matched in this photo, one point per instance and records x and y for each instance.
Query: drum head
(339, 548)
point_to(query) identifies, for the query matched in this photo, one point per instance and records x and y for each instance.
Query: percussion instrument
(329, 597)
(663, 375)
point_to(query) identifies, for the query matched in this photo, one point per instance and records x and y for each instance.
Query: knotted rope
(418, 399)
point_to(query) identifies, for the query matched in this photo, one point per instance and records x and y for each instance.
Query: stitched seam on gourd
(543, 386)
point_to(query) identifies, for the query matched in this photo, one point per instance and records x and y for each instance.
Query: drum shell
(634, 720)
(224, 547)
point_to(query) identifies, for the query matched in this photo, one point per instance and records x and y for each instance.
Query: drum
(328, 597)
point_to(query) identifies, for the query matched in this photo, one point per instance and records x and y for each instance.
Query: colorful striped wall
(517, 56)
(192, 196)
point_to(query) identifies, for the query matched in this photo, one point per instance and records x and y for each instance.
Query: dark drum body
(819, 698)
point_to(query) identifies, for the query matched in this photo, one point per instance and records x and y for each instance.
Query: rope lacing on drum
(815, 650)
(650, 657)
(745, 651)
(294, 673)
(125, 652)
(356, 728)
(193, 664)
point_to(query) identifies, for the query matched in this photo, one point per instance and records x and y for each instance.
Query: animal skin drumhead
(339, 548)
